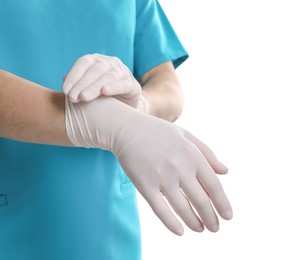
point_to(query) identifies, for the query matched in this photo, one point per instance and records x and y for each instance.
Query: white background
(244, 87)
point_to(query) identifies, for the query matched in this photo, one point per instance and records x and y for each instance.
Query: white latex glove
(94, 75)
(162, 160)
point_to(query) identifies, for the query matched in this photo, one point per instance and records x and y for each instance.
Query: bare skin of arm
(32, 113)
(161, 89)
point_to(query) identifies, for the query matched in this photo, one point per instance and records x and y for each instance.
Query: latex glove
(162, 160)
(94, 75)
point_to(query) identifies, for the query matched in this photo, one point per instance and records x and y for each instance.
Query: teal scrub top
(61, 202)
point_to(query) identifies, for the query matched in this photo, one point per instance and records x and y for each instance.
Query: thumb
(209, 155)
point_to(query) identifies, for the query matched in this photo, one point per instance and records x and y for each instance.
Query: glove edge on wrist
(70, 130)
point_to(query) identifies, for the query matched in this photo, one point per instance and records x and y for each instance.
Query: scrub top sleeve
(155, 40)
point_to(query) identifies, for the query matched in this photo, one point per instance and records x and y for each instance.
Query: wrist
(101, 123)
(168, 106)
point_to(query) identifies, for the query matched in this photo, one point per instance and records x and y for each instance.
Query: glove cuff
(73, 125)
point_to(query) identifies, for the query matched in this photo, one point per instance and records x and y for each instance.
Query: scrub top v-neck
(61, 202)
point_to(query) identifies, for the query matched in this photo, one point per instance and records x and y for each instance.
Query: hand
(94, 75)
(161, 159)
(209, 155)
(173, 166)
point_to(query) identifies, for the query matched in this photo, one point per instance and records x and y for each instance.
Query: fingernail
(215, 228)
(74, 95)
(199, 229)
(225, 169)
(87, 96)
(66, 87)
(73, 99)
(180, 231)
(227, 214)
(83, 97)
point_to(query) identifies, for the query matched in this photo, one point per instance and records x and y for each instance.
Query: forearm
(30, 112)
(162, 91)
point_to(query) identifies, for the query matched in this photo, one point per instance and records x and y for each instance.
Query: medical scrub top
(63, 202)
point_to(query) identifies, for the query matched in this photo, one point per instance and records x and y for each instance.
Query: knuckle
(116, 59)
(182, 166)
(157, 173)
(188, 148)
(101, 65)
(115, 75)
(175, 165)
(108, 65)
(88, 58)
(118, 63)
(98, 56)
(166, 181)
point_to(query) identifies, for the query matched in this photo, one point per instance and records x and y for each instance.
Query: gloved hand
(94, 75)
(162, 160)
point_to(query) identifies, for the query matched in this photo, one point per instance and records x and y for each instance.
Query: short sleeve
(155, 40)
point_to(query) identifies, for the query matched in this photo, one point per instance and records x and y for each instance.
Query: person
(88, 94)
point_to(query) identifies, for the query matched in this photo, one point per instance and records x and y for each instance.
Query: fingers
(201, 202)
(214, 189)
(91, 76)
(107, 86)
(183, 208)
(217, 166)
(77, 71)
(121, 87)
(202, 191)
(91, 73)
(163, 212)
